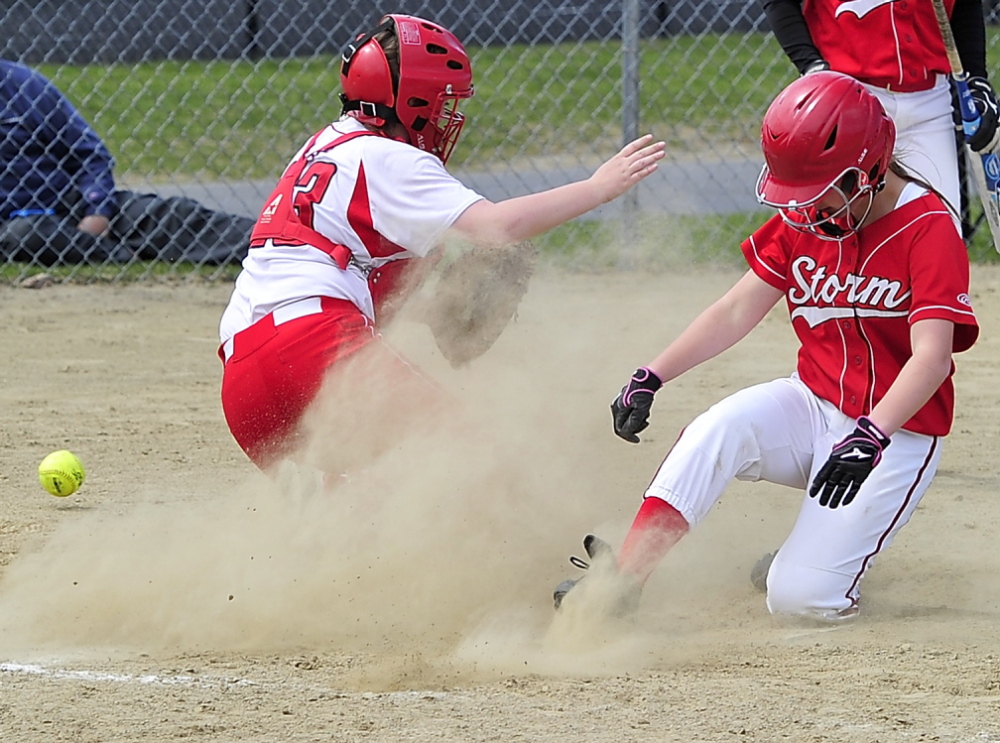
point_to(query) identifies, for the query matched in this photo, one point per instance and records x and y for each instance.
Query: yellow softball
(61, 473)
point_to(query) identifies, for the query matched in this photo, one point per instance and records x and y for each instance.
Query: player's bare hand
(634, 161)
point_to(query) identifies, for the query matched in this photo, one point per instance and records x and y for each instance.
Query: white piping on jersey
(909, 224)
(860, 8)
(843, 352)
(969, 312)
(753, 244)
(818, 315)
(895, 38)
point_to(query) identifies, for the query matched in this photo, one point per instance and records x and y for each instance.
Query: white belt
(279, 316)
(297, 309)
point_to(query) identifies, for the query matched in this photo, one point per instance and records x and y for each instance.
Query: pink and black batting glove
(630, 410)
(849, 465)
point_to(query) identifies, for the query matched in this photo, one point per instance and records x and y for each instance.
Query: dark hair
(390, 45)
(901, 170)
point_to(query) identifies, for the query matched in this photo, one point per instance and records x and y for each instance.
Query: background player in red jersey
(335, 249)
(895, 48)
(876, 280)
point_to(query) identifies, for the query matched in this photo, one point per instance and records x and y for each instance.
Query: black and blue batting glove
(849, 465)
(630, 410)
(987, 137)
(820, 65)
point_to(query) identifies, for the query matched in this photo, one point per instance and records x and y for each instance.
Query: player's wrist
(820, 65)
(647, 379)
(987, 137)
(871, 430)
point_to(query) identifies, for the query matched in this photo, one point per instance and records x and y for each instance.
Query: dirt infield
(180, 594)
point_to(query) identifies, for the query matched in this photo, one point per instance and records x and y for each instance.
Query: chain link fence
(202, 102)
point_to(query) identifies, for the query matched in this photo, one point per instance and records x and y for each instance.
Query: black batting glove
(630, 410)
(987, 137)
(849, 465)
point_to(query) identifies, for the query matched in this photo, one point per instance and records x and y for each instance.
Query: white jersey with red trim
(367, 192)
(908, 55)
(852, 301)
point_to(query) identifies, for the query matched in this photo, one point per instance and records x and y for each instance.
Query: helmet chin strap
(370, 110)
(831, 229)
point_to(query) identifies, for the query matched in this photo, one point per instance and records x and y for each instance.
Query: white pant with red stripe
(781, 432)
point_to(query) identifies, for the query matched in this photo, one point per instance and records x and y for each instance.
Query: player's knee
(728, 426)
(814, 593)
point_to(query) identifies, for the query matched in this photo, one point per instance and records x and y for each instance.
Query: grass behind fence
(665, 243)
(244, 120)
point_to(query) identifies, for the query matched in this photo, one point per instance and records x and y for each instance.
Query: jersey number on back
(310, 188)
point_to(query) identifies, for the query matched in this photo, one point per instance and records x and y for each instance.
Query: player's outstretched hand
(849, 465)
(634, 161)
(630, 410)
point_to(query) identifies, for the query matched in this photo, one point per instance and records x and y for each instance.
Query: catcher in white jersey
(876, 280)
(335, 248)
(895, 48)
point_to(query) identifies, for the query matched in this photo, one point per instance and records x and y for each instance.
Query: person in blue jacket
(58, 201)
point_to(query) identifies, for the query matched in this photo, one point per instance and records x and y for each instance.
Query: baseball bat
(985, 167)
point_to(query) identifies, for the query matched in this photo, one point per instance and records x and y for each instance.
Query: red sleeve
(767, 252)
(939, 279)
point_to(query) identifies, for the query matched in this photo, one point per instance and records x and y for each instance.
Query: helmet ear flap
(366, 78)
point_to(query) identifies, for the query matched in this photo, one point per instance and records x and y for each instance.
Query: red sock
(657, 527)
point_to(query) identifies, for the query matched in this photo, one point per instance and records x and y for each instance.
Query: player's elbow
(487, 224)
(935, 367)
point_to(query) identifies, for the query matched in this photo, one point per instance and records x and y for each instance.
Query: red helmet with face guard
(825, 130)
(434, 74)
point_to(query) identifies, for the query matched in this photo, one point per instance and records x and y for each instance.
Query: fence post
(630, 126)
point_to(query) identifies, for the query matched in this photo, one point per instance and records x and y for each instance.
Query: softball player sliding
(895, 48)
(333, 251)
(876, 281)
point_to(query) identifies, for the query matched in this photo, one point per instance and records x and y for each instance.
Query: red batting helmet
(434, 74)
(821, 128)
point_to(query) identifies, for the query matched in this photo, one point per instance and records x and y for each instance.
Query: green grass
(203, 120)
(981, 249)
(241, 120)
(13, 273)
(654, 243)
(658, 243)
(664, 242)
(244, 120)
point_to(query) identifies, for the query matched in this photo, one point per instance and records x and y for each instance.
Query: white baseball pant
(781, 432)
(925, 137)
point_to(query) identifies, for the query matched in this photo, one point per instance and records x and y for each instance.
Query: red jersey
(852, 302)
(893, 44)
